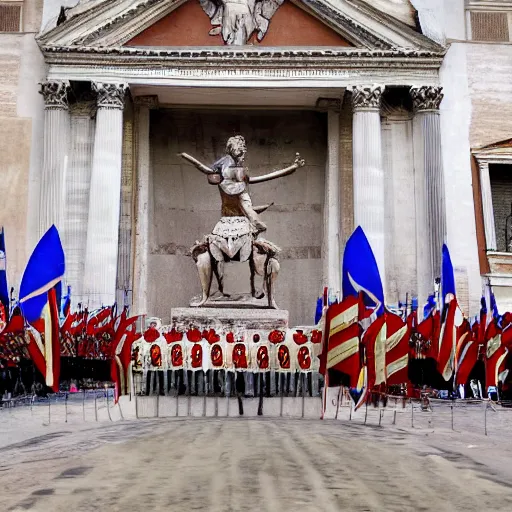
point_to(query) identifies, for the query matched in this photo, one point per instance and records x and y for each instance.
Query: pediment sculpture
(238, 20)
(236, 237)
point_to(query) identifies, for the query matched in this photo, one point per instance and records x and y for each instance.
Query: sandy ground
(236, 464)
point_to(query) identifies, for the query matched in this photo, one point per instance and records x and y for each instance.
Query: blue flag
(44, 270)
(360, 271)
(319, 310)
(447, 276)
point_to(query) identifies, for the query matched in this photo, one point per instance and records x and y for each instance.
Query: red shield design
(239, 356)
(197, 356)
(156, 356)
(300, 338)
(283, 355)
(176, 355)
(304, 358)
(276, 337)
(216, 355)
(262, 358)
(316, 336)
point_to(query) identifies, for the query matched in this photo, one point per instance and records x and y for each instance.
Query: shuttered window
(10, 17)
(489, 26)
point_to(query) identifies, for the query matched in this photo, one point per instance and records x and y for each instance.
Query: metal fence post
(83, 403)
(452, 413)
(366, 411)
(66, 407)
(108, 407)
(485, 417)
(49, 409)
(158, 404)
(304, 383)
(95, 406)
(412, 414)
(394, 412)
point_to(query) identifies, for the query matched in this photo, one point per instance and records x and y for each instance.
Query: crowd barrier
(471, 416)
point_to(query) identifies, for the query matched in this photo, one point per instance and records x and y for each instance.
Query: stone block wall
(184, 207)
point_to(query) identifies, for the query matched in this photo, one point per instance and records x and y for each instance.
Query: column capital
(426, 97)
(55, 94)
(367, 97)
(110, 95)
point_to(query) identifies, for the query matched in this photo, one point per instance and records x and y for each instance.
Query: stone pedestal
(231, 318)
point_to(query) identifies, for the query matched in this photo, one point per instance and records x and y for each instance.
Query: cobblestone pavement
(237, 464)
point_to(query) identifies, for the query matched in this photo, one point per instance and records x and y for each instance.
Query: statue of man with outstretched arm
(232, 178)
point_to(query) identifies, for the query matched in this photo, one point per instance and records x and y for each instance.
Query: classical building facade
(378, 97)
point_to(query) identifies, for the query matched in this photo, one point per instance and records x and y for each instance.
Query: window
(501, 191)
(489, 21)
(10, 16)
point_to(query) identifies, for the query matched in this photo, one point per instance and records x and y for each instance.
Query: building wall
(184, 207)
(21, 114)
(490, 87)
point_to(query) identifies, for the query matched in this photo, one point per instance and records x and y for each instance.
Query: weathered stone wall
(184, 207)
(490, 87)
(21, 67)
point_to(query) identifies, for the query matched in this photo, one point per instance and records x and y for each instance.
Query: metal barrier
(470, 416)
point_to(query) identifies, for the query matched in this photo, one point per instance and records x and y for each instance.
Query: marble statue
(236, 237)
(237, 20)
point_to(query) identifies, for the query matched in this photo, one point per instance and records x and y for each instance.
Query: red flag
(124, 338)
(466, 353)
(46, 356)
(447, 340)
(495, 354)
(341, 340)
(427, 336)
(397, 349)
(374, 342)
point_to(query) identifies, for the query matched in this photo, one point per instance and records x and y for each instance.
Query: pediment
(104, 24)
(189, 25)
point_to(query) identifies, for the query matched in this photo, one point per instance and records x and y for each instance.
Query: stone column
(104, 197)
(429, 187)
(331, 234)
(74, 234)
(55, 154)
(487, 207)
(143, 104)
(368, 169)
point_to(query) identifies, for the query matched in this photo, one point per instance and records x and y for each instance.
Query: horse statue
(236, 237)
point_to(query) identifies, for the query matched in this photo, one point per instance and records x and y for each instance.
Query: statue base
(231, 318)
(235, 301)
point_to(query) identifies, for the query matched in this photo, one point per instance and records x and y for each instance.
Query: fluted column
(140, 282)
(331, 235)
(55, 154)
(368, 169)
(487, 207)
(429, 187)
(74, 233)
(105, 196)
